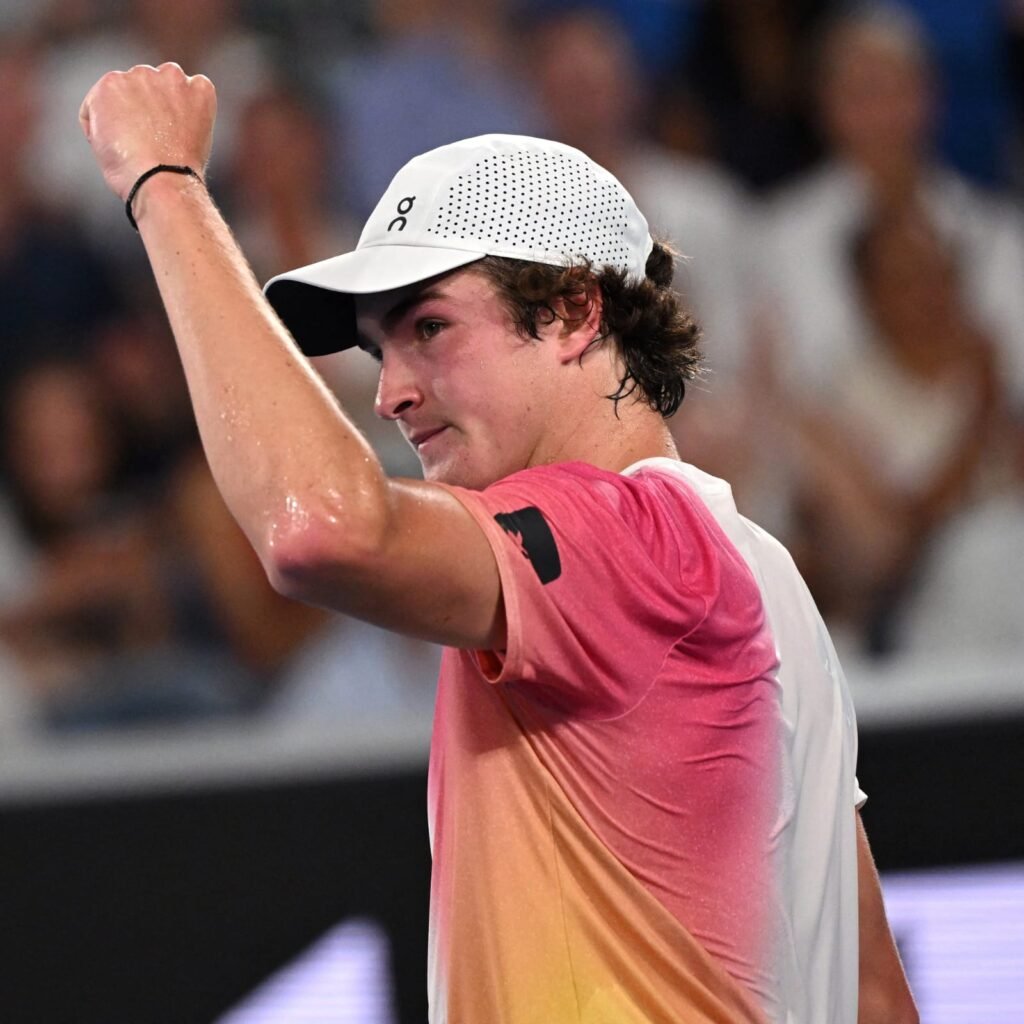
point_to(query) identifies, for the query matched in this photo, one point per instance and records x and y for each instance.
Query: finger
(206, 90)
(85, 110)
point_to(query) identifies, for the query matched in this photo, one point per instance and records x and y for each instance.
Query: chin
(460, 474)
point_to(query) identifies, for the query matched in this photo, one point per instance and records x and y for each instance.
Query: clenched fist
(147, 116)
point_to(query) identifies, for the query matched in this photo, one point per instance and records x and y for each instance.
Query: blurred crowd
(844, 181)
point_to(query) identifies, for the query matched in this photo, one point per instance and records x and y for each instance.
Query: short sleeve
(601, 576)
(860, 798)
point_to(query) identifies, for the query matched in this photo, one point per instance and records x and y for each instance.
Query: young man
(642, 778)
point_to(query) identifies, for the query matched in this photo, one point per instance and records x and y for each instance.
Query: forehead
(464, 285)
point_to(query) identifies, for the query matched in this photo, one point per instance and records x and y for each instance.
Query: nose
(397, 390)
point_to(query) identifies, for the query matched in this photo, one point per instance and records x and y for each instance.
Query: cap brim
(315, 302)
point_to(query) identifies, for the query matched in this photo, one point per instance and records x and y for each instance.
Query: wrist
(158, 184)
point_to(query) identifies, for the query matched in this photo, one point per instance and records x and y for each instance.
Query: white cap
(494, 195)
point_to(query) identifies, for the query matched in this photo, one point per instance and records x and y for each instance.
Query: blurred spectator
(142, 387)
(279, 186)
(970, 591)
(593, 97)
(54, 21)
(54, 287)
(443, 70)
(200, 35)
(314, 33)
(84, 587)
(876, 105)
(655, 30)
(901, 437)
(18, 16)
(742, 86)
(18, 714)
(127, 606)
(354, 671)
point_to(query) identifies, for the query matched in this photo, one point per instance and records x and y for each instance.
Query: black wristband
(145, 176)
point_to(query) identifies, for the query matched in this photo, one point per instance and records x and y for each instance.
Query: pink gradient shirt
(614, 799)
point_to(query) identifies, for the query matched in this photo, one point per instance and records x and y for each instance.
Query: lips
(419, 437)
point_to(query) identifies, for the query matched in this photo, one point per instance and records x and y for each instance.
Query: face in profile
(466, 390)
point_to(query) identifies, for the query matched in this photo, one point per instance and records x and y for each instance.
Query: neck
(611, 440)
(584, 425)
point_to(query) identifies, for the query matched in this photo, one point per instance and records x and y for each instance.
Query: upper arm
(885, 996)
(430, 573)
(532, 569)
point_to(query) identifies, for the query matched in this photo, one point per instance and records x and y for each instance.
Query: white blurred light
(961, 933)
(344, 978)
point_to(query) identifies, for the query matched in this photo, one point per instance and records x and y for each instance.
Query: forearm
(302, 483)
(285, 458)
(885, 996)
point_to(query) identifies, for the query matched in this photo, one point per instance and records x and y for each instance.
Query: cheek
(470, 397)
(442, 388)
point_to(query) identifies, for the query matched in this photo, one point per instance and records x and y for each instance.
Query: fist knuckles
(148, 115)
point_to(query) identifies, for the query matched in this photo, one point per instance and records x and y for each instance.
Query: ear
(578, 321)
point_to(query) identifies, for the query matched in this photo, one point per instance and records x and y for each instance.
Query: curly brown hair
(657, 338)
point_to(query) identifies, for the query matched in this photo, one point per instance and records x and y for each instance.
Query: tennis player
(642, 797)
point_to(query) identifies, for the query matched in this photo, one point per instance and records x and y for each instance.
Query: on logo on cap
(404, 207)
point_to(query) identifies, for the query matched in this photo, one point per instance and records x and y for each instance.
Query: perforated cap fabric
(494, 195)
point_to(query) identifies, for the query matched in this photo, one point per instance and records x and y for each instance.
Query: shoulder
(578, 489)
(658, 513)
(591, 515)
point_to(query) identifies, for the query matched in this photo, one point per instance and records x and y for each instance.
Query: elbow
(906, 1013)
(310, 556)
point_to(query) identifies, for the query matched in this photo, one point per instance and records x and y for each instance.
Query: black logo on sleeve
(536, 541)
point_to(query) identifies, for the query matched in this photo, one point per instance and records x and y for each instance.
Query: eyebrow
(402, 308)
(396, 313)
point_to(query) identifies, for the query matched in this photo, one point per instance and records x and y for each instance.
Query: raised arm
(885, 996)
(303, 484)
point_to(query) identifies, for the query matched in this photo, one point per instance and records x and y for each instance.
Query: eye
(428, 328)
